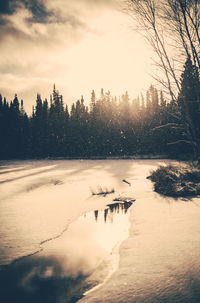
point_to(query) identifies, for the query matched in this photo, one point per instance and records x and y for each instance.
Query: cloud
(30, 31)
(48, 11)
(29, 28)
(79, 45)
(36, 7)
(24, 24)
(32, 36)
(43, 21)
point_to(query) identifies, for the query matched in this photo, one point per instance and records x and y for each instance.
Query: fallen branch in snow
(124, 199)
(125, 181)
(102, 192)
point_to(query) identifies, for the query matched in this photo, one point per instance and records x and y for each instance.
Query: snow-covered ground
(159, 259)
(39, 199)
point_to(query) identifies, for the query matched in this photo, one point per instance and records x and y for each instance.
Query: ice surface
(159, 262)
(39, 199)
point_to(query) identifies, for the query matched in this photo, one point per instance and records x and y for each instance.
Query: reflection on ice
(112, 209)
(66, 267)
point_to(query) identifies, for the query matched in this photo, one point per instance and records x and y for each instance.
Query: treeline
(110, 126)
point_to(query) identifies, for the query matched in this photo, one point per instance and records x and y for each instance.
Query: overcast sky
(79, 45)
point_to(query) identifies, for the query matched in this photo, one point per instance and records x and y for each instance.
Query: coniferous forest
(108, 127)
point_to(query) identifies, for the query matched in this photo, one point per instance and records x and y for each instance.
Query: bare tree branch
(181, 141)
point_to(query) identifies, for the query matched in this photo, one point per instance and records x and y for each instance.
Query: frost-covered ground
(159, 261)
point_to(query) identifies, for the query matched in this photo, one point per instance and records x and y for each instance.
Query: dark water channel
(66, 267)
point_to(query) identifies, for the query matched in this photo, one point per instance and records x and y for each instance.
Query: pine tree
(1, 102)
(189, 104)
(38, 109)
(92, 102)
(154, 98)
(162, 100)
(16, 103)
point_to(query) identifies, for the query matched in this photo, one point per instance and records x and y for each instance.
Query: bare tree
(172, 27)
(184, 15)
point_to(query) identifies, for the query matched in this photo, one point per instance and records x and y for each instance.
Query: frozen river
(148, 251)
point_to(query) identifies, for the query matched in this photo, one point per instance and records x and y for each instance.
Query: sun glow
(112, 57)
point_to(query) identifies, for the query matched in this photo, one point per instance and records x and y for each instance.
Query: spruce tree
(189, 104)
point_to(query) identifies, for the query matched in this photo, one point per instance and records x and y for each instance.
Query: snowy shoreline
(128, 157)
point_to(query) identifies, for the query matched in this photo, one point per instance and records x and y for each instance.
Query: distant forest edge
(109, 126)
